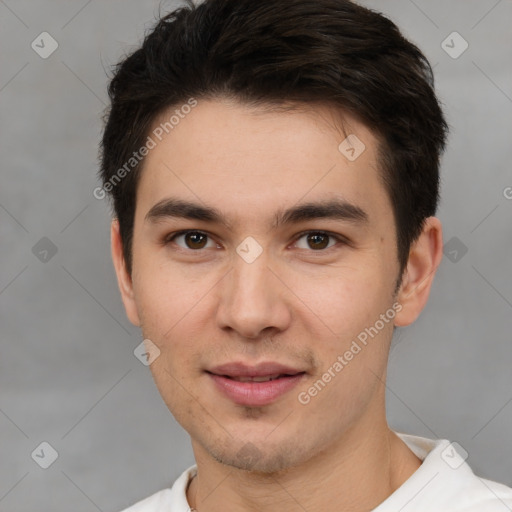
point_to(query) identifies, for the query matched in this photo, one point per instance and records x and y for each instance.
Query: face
(261, 251)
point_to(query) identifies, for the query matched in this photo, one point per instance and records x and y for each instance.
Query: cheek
(173, 311)
(343, 300)
(353, 340)
(163, 296)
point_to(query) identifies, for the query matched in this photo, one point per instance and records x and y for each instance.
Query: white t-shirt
(443, 483)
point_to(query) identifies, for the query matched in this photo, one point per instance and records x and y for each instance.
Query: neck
(357, 474)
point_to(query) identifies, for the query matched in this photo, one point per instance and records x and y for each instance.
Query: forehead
(253, 162)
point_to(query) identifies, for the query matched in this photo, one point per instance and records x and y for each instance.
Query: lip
(238, 369)
(251, 393)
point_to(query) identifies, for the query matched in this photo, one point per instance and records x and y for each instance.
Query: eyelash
(340, 239)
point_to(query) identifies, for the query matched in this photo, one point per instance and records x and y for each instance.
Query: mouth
(255, 385)
(262, 378)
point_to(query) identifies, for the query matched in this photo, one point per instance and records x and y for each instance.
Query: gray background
(68, 375)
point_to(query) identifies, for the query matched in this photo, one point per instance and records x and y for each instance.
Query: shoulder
(477, 494)
(153, 503)
(446, 482)
(173, 499)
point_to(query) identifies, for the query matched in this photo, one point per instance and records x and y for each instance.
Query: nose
(252, 299)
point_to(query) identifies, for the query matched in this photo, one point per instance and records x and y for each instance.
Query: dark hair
(269, 52)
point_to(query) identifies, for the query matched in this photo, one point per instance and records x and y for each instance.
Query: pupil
(316, 238)
(193, 240)
(196, 240)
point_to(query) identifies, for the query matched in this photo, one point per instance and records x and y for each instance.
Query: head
(248, 124)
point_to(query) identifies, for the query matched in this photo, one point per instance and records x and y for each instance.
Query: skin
(295, 304)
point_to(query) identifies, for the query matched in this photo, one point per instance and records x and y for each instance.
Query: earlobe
(424, 257)
(124, 280)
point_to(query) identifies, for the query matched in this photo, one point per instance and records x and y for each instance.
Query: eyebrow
(331, 209)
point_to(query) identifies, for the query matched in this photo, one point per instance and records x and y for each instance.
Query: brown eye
(317, 240)
(194, 240)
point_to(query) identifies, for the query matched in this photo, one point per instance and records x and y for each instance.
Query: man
(274, 169)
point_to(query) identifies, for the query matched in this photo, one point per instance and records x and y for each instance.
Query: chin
(258, 457)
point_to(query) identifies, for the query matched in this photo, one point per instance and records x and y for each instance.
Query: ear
(124, 279)
(424, 257)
